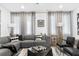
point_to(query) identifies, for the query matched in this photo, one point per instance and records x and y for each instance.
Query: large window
(66, 23)
(28, 20)
(60, 17)
(53, 24)
(16, 21)
(22, 23)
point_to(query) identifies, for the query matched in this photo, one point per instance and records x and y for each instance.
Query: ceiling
(39, 7)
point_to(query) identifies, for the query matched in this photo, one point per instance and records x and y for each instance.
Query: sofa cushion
(43, 37)
(4, 40)
(20, 37)
(5, 52)
(29, 37)
(40, 41)
(27, 43)
(70, 41)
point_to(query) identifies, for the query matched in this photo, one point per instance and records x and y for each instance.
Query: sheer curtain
(16, 21)
(53, 23)
(62, 17)
(66, 24)
(22, 23)
(28, 23)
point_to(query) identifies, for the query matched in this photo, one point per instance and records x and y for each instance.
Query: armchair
(68, 43)
(72, 51)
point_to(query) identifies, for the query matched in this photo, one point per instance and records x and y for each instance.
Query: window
(64, 18)
(53, 24)
(66, 23)
(29, 24)
(16, 24)
(22, 23)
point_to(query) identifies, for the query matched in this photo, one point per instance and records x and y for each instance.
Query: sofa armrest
(15, 45)
(71, 51)
(11, 47)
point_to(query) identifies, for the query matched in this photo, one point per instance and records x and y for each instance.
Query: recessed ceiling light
(22, 6)
(61, 6)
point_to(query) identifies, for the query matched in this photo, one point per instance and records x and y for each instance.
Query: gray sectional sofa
(29, 41)
(9, 48)
(4, 51)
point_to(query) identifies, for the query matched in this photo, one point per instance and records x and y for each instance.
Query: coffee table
(39, 51)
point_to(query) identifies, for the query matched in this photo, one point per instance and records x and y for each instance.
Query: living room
(39, 29)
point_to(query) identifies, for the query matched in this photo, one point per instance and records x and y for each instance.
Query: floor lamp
(59, 33)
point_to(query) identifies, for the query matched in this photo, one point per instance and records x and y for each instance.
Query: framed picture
(40, 23)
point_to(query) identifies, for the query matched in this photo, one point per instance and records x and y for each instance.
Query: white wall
(5, 20)
(74, 23)
(41, 16)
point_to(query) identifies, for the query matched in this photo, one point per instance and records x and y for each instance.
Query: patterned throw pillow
(0, 45)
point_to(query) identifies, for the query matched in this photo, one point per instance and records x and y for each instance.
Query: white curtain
(62, 17)
(53, 23)
(22, 23)
(16, 20)
(28, 23)
(66, 23)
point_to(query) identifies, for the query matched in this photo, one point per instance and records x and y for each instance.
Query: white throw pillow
(15, 40)
(38, 38)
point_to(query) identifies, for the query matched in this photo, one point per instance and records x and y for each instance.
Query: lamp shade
(59, 24)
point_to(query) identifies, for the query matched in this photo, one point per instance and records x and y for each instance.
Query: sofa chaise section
(5, 52)
(8, 46)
